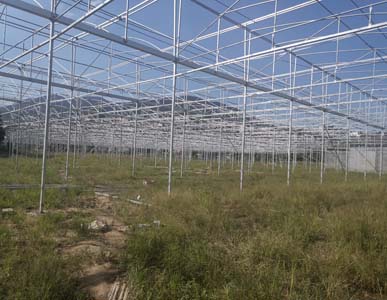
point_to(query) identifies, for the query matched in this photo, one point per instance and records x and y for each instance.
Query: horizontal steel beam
(9, 100)
(66, 86)
(35, 10)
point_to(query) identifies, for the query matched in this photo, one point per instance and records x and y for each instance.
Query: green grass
(270, 242)
(30, 266)
(306, 241)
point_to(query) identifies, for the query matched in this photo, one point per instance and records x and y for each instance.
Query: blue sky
(195, 19)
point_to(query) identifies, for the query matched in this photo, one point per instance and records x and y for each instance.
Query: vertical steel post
(182, 145)
(366, 153)
(76, 137)
(18, 119)
(347, 149)
(156, 150)
(381, 155)
(310, 156)
(126, 19)
(249, 165)
(70, 110)
(47, 116)
(176, 33)
(381, 146)
(220, 136)
(9, 143)
(290, 121)
(220, 147)
(295, 154)
(295, 151)
(120, 148)
(290, 140)
(304, 160)
(134, 147)
(273, 43)
(184, 125)
(366, 144)
(232, 159)
(322, 147)
(322, 157)
(246, 78)
(273, 152)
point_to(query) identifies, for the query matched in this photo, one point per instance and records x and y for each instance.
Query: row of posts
(171, 150)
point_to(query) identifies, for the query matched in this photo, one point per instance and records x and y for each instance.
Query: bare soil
(101, 277)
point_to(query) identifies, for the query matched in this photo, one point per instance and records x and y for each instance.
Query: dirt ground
(100, 276)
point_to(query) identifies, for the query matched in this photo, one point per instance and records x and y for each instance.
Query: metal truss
(235, 81)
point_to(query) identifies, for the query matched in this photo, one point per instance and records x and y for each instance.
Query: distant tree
(2, 131)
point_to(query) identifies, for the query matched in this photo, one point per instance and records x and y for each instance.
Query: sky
(197, 20)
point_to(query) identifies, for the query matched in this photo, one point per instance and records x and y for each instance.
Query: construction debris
(138, 201)
(119, 291)
(146, 182)
(98, 225)
(100, 194)
(145, 225)
(155, 223)
(7, 210)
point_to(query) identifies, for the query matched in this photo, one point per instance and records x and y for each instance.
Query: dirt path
(100, 276)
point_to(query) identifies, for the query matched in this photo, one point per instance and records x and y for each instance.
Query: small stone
(107, 254)
(122, 228)
(143, 225)
(98, 225)
(33, 213)
(146, 182)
